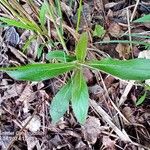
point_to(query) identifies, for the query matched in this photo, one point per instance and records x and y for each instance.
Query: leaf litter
(105, 127)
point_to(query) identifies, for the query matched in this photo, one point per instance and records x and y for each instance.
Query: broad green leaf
(60, 56)
(134, 69)
(43, 11)
(38, 72)
(145, 18)
(99, 31)
(141, 100)
(60, 103)
(81, 48)
(80, 97)
(12, 22)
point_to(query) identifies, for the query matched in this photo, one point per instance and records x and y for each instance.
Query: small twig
(108, 119)
(125, 93)
(134, 11)
(129, 28)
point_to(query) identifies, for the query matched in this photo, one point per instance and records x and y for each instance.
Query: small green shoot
(42, 14)
(99, 31)
(141, 99)
(79, 11)
(81, 47)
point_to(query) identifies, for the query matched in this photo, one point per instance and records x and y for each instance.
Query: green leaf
(59, 13)
(28, 42)
(60, 103)
(134, 69)
(12, 22)
(38, 72)
(81, 48)
(39, 51)
(80, 97)
(60, 56)
(43, 11)
(145, 18)
(99, 31)
(141, 100)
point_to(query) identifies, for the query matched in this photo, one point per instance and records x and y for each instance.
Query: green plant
(99, 31)
(76, 90)
(21, 19)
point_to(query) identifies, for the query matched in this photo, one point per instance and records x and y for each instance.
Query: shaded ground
(114, 121)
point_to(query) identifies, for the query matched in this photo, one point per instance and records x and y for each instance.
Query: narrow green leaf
(79, 11)
(134, 69)
(141, 100)
(43, 11)
(81, 48)
(60, 56)
(12, 22)
(28, 42)
(59, 12)
(39, 51)
(145, 18)
(123, 41)
(60, 103)
(99, 31)
(80, 97)
(38, 72)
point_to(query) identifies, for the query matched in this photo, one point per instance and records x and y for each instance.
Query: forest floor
(115, 121)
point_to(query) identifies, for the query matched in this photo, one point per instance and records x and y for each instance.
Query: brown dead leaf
(88, 75)
(96, 89)
(108, 81)
(108, 143)
(128, 113)
(66, 9)
(27, 8)
(34, 125)
(123, 50)
(115, 30)
(80, 145)
(32, 142)
(26, 96)
(13, 91)
(110, 5)
(91, 129)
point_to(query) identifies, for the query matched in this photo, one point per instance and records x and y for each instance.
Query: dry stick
(116, 108)
(126, 92)
(121, 134)
(134, 11)
(108, 119)
(130, 84)
(21, 131)
(129, 28)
